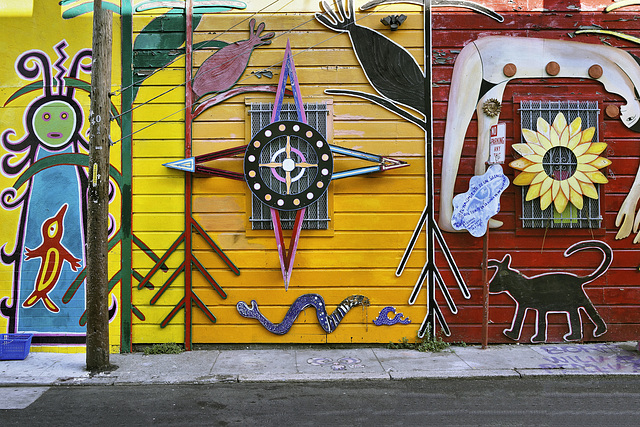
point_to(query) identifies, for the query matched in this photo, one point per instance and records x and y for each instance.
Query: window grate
(560, 162)
(316, 216)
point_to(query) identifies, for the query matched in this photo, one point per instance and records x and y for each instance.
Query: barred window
(317, 214)
(560, 163)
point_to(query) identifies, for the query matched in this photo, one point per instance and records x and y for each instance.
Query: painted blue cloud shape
(473, 209)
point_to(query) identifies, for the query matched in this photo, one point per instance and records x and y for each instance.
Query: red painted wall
(616, 295)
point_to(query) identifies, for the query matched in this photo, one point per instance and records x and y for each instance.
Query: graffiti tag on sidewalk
(341, 364)
(595, 359)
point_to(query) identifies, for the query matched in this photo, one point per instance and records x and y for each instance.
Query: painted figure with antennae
(55, 196)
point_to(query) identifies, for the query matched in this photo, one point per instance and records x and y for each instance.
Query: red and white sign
(497, 143)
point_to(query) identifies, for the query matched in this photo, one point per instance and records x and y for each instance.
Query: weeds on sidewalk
(164, 348)
(426, 344)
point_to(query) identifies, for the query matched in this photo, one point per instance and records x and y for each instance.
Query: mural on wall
(299, 151)
(42, 240)
(389, 317)
(558, 183)
(551, 293)
(328, 322)
(484, 68)
(159, 44)
(395, 74)
(227, 64)
(625, 218)
(48, 295)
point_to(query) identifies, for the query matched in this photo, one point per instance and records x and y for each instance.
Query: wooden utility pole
(98, 194)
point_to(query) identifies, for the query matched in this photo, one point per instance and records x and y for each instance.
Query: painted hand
(626, 215)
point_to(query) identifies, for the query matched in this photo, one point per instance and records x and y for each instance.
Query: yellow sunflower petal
(546, 185)
(555, 188)
(545, 200)
(585, 167)
(580, 176)
(523, 149)
(576, 199)
(589, 190)
(587, 134)
(534, 191)
(554, 137)
(597, 177)
(536, 167)
(559, 123)
(576, 126)
(520, 163)
(524, 178)
(560, 202)
(530, 136)
(563, 137)
(538, 149)
(601, 162)
(597, 147)
(580, 149)
(574, 184)
(587, 158)
(535, 158)
(574, 141)
(539, 177)
(543, 127)
(564, 188)
(545, 142)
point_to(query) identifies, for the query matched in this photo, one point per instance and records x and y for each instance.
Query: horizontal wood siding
(616, 294)
(372, 217)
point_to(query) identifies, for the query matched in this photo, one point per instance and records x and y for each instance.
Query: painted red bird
(53, 255)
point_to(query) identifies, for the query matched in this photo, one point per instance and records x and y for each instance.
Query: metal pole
(485, 290)
(188, 208)
(97, 357)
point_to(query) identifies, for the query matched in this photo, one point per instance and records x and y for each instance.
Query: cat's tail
(593, 244)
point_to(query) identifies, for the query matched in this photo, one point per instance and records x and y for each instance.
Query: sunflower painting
(559, 163)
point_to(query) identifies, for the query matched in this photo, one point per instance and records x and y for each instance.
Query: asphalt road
(567, 401)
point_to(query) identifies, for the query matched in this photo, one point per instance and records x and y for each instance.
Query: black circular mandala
(288, 165)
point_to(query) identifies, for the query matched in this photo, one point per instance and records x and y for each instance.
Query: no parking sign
(497, 143)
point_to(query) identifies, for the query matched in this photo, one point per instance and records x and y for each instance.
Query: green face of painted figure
(54, 123)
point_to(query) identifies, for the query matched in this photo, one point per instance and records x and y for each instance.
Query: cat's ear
(493, 263)
(506, 261)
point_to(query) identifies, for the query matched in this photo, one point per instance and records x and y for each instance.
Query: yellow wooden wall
(372, 217)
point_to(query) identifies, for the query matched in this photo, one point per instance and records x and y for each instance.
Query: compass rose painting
(297, 156)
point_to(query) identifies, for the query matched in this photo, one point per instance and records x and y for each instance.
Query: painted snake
(328, 322)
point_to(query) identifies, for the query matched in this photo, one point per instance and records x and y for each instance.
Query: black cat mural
(550, 293)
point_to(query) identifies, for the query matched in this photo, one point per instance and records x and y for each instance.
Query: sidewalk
(319, 364)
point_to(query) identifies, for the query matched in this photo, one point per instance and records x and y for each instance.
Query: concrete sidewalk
(321, 364)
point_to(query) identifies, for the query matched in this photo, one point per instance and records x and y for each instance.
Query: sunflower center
(559, 163)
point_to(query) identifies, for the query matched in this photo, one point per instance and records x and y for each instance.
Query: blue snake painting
(328, 322)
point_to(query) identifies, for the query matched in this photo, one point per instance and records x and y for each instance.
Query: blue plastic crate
(15, 346)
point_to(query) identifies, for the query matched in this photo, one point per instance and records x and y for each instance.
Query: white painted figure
(479, 74)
